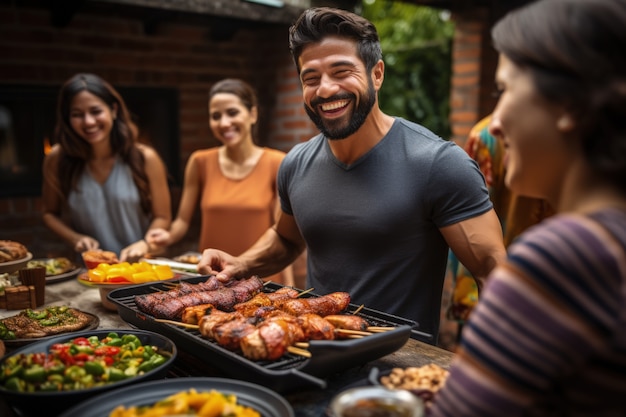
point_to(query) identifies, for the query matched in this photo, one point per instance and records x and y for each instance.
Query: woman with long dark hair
(102, 188)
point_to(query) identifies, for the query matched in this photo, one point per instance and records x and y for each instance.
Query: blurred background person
(547, 337)
(235, 183)
(101, 188)
(516, 214)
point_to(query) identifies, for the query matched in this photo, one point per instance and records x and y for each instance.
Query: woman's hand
(85, 243)
(135, 251)
(158, 237)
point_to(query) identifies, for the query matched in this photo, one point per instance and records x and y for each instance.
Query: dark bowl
(29, 404)
(267, 402)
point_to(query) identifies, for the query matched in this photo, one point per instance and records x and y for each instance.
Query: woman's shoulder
(147, 151)
(274, 154)
(560, 233)
(204, 154)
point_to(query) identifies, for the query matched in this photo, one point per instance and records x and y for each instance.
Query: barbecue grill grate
(290, 371)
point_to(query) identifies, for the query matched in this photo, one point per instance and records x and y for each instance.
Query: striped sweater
(548, 337)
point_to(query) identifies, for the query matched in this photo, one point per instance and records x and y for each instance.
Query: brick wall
(177, 54)
(474, 62)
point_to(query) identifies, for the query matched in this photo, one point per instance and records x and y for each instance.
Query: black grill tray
(286, 374)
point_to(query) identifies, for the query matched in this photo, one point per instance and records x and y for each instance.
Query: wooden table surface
(306, 403)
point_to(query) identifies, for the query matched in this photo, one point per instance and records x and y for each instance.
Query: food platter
(287, 373)
(64, 275)
(264, 400)
(12, 266)
(93, 323)
(27, 403)
(83, 278)
(50, 279)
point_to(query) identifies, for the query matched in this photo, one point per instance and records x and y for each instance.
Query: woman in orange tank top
(234, 184)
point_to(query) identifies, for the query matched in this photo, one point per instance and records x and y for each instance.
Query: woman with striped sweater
(548, 336)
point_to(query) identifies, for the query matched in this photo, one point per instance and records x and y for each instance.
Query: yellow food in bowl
(125, 272)
(202, 404)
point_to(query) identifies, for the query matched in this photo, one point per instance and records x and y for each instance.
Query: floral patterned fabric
(516, 213)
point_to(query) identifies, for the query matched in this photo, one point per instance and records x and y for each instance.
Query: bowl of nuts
(423, 382)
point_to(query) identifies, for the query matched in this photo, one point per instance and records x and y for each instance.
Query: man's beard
(336, 128)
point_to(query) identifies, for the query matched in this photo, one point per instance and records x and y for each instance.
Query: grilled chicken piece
(315, 327)
(229, 334)
(193, 314)
(348, 322)
(272, 299)
(324, 305)
(272, 338)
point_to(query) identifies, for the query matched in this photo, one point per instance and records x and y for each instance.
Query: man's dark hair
(315, 24)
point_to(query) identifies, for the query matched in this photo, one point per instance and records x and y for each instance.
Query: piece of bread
(12, 251)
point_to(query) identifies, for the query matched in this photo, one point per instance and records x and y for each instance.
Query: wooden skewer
(358, 309)
(298, 351)
(305, 292)
(303, 345)
(377, 329)
(178, 323)
(353, 332)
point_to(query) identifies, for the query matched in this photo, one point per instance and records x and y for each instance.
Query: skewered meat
(348, 322)
(222, 298)
(145, 302)
(193, 314)
(315, 327)
(226, 328)
(263, 302)
(270, 340)
(229, 334)
(324, 305)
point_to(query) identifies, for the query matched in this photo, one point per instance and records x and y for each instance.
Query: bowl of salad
(59, 372)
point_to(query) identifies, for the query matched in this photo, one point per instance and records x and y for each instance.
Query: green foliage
(416, 43)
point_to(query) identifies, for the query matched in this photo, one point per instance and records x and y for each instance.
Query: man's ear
(378, 74)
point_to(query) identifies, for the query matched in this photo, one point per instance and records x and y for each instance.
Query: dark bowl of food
(59, 372)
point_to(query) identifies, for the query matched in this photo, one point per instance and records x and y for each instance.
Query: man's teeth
(334, 106)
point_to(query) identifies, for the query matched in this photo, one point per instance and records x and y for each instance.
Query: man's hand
(225, 267)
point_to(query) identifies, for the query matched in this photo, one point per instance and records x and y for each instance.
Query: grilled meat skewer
(271, 299)
(223, 298)
(145, 302)
(258, 306)
(347, 322)
(324, 305)
(271, 339)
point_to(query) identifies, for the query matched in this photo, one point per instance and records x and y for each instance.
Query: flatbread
(54, 266)
(46, 322)
(12, 251)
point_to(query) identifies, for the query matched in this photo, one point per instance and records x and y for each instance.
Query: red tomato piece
(117, 279)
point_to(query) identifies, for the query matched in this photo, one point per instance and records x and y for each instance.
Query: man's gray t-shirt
(371, 228)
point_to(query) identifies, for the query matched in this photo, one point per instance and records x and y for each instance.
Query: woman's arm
(161, 237)
(161, 202)
(52, 201)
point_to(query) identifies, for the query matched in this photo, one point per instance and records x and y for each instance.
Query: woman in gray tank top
(102, 189)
